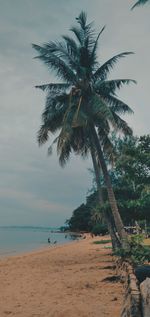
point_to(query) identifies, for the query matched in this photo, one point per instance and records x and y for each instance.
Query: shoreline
(40, 249)
(55, 237)
(36, 250)
(65, 280)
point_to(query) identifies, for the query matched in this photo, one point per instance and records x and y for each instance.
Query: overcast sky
(34, 189)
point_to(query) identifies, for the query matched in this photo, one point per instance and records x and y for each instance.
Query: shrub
(99, 229)
(137, 253)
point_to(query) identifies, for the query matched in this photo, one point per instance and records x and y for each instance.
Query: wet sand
(61, 281)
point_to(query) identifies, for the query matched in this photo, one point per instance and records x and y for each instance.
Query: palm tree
(139, 3)
(84, 106)
(96, 216)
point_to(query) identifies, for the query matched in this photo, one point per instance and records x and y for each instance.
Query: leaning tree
(84, 107)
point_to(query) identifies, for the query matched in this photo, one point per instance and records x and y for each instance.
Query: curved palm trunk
(117, 218)
(97, 174)
(115, 241)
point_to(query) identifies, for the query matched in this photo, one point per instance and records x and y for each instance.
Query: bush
(99, 229)
(137, 253)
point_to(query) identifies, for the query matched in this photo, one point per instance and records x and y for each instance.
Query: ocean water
(15, 240)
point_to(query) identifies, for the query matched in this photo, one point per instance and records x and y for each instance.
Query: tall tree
(84, 106)
(131, 177)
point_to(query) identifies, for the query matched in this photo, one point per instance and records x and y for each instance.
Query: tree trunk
(97, 174)
(117, 218)
(115, 241)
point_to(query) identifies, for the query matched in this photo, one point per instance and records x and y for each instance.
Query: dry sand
(61, 281)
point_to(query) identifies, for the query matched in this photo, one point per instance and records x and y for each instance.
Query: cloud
(29, 200)
(31, 183)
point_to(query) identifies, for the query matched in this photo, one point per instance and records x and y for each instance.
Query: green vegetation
(82, 111)
(99, 229)
(140, 2)
(130, 178)
(83, 108)
(137, 252)
(80, 220)
(81, 216)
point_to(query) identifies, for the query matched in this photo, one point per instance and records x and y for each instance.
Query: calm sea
(14, 240)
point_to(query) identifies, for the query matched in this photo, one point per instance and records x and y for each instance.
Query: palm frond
(39, 49)
(64, 145)
(55, 102)
(117, 105)
(80, 141)
(54, 87)
(55, 63)
(42, 135)
(122, 125)
(72, 45)
(64, 51)
(99, 108)
(61, 69)
(53, 113)
(50, 148)
(52, 116)
(110, 86)
(139, 3)
(85, 33)
(88, 30)
(108, 148)
(50, 126)
(103, 71)
(47, 49)
(64, 155)
(102, 126)
(78, 34)
(82, 19)
(93, 53)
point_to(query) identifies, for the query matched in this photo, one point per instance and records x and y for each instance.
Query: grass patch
(138, 253)
(102, 242)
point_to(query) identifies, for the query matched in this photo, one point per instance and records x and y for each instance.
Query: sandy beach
(62, 281)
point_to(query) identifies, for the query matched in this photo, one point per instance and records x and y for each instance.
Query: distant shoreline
(15, 240)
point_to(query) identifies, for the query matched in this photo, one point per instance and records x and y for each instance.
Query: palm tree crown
(85, 93)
